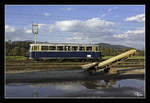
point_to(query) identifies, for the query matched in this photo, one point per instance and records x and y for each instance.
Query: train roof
(62, 44)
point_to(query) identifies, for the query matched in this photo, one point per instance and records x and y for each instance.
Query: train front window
(52, 48)
(60, 48)
(89, 48)
(44, 48)
(82, 48)
(74, 48)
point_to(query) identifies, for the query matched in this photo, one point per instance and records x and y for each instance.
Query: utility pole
(35, 31)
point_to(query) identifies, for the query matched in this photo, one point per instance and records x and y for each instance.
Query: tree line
(21, 48)
(17, 48)
(114, 52)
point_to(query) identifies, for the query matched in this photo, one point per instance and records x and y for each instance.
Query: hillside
(116, 47)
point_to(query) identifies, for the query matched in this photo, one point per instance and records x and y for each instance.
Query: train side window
(89, 48)
(52, 47)
(38, 48)
(35, 48)
(81, 48)
(97, 49)
(74, 48)
(60, 48)
(67, 48)
(44, 48)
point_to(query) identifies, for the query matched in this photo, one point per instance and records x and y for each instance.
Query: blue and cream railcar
(64, 51)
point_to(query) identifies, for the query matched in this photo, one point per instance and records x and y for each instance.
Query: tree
(15, 51)
(22, 51)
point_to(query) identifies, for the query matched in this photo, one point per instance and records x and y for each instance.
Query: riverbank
(30, 66)
(70, 75)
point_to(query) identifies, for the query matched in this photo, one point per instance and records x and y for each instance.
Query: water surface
(89, 88)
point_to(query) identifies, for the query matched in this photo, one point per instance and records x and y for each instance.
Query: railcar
(64, 51)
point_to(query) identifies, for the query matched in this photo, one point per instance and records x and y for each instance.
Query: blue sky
(114, 24)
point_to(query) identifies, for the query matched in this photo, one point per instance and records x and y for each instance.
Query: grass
(107, 57)
(15, 58)
(137, 57)
(22, 58)
(18, 64)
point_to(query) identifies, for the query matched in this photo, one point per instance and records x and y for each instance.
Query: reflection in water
(35, 93)
(95, 84)
(129, 87)
(92, 84)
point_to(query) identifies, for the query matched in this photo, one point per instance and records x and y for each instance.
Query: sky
(87, 24)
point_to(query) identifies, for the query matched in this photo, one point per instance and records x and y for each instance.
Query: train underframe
(68, 59)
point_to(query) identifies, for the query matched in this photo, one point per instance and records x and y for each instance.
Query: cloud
(103, 15)
(68, 9)
(130, 33)
(94, 30)
(132, 38)
(109, 10)
(68, 88)
(84, 30)
(13, 33)
(28, 31)
(41, 25)
(90, 25)
(9, 28)
(46, 14)
(137, 18)
(113, 8)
